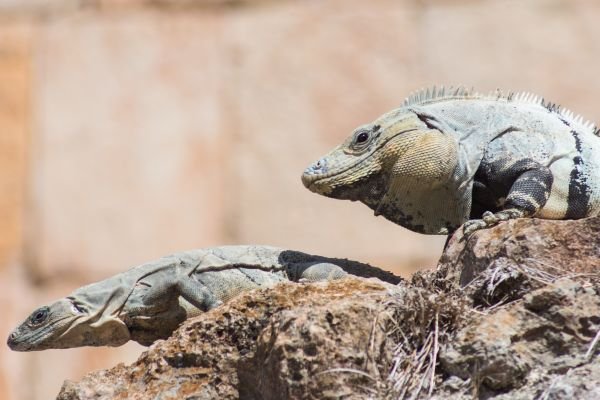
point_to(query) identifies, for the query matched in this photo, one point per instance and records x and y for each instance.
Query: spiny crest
(570, 116)
(431, 95)
(424, 96)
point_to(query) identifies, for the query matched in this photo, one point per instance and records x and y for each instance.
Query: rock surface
(511, 312)
(272, 344)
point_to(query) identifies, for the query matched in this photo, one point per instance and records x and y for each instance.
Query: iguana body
(446, 158)
(149, 302)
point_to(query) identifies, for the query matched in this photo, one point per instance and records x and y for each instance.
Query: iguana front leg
(527, 195)
(191, 290)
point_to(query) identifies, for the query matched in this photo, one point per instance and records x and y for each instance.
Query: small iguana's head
(66, 323)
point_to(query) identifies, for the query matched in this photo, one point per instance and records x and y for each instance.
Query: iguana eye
(361, 138)
(39, 316)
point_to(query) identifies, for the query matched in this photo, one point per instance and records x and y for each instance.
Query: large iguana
(149, 302)
(452, 157)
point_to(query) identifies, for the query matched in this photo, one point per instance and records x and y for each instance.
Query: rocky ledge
(511, 312)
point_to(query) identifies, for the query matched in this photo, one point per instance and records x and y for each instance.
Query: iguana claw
(489, 219)
(473, 225)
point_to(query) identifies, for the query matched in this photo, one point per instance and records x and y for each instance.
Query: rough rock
(534, 292)
(504, 263)
(320, 340)
(511, 312)
(522, 345)
(557, 247)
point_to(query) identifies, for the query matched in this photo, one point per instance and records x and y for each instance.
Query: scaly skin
(448, 158)
(149, 302)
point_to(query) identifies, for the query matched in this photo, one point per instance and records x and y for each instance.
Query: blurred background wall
(130, 129)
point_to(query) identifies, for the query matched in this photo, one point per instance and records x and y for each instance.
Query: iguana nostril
(319, 166)
(11, 338)
(313, 172)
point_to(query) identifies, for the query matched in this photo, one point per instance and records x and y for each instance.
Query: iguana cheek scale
(453, 157)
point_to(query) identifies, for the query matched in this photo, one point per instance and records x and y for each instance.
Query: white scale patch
(556, 206)
(591, 170)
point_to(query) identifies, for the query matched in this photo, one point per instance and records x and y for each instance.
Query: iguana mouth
(312, 174)
(24, 343)
(311, 182)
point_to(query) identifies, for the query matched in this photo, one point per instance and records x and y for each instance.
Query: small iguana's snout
(65, 324)
(41, 327)
(12, 340)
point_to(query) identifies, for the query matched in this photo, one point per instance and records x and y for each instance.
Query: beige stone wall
(15, 80)
(131, 129)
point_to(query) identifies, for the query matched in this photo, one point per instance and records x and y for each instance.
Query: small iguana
(452, 157)
(149, 302)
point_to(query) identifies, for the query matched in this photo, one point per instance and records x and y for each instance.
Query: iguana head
(67, 323)
(393, 165)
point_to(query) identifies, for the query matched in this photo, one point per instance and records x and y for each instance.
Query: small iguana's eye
(362, 137)
(39, 316)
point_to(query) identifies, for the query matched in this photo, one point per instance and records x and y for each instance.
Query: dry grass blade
(436, 348)
(421, 323)
(590, 350)
(547, 277)
(348, 370)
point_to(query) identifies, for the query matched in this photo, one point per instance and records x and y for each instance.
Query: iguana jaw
(31, 335)
(342, 174)
(337, 176)
(65, 326)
